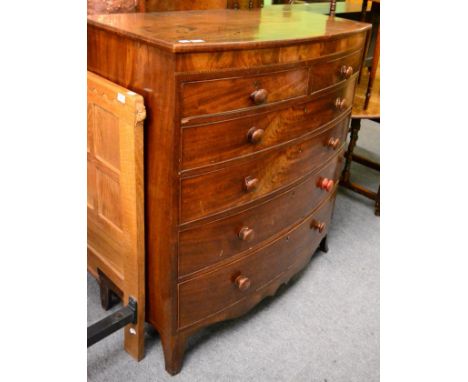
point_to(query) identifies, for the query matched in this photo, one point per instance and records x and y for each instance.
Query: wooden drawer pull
(333, 143)
(259, 96)
(250, 183)
(246, 234)
(255, 135)
(326, 184)
(242, 283)
(318, 226)
(346, 71)
(340, 103)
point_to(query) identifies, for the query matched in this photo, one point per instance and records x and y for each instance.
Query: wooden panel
(273, 169)
(216, 142)
(208, 244)
(109, 199)
(115, 194)
(106, 138)
(215, 96)
(328, 73)
(210, 293)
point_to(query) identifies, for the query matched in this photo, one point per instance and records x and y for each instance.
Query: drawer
(259, 175)
(328, 73)
(211, 143)
(210, 293)
(227, 94)
(203, 246)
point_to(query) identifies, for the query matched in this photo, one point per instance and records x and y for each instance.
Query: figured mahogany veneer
(215, 96)
(255, 176)
(247, 114)
(199, 298)
(202, 245)
(217, 142)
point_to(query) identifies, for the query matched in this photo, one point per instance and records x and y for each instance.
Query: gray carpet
(323, 327)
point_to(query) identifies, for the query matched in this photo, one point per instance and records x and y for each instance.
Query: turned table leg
(355, 127)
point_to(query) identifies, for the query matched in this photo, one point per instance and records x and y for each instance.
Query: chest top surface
(227, 29)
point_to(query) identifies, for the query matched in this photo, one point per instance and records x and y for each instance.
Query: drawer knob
(340, 103)
(346, 71)
(259, 96)
(319, 226)
(246, 234)
(333, 143)
(250, 183)
(242, 283)
(326, 184)
(255, 135)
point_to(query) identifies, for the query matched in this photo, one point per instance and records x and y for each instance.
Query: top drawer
(228, 94)
(328, 73)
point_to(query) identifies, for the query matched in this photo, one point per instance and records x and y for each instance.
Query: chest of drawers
(247, 114)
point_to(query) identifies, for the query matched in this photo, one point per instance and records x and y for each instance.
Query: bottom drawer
(210, 293)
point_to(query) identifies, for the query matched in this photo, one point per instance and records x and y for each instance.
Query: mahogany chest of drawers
(247, 115)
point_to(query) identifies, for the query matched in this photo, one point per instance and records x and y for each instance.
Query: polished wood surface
(216, 142)
(203, 245)
(217, 166)
(271, 170)
(115, 195)
(199, 298)
(328, 73)
(227, 29)
(255, 57)
(183, 5)
(216, 96)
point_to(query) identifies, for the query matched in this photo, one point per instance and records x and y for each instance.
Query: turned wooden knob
(259, 96)
(250, 183)
(326, 184)
(255, 135)
(333, 143)
(242, 283)
(246, 234)
(340, 103)
(319, 226)
(346, 71)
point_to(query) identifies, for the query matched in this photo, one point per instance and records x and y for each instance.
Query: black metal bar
(112, 323)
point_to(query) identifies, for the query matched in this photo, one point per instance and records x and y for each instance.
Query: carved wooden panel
(115, 193)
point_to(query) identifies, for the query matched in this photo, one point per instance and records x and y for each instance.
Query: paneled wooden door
(116, 244)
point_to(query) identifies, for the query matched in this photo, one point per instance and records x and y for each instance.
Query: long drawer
(228, 94)
(331, 72)
(263, 173)
(208, 244)
(216, 142)
(212, 292)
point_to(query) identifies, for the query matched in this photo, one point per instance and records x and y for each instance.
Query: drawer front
(235, 185)
(328, 73)
(227, 94)
(212, 292)
(211, 243)
(217, 142)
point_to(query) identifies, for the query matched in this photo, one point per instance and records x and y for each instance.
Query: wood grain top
(227, 29)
